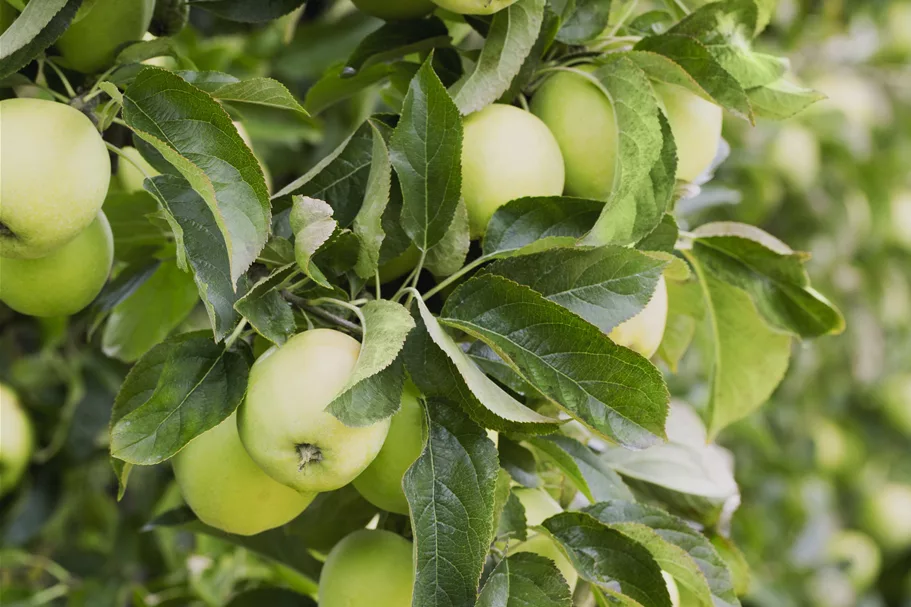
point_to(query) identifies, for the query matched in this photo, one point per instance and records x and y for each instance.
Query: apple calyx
(5, 232)
(310, 454)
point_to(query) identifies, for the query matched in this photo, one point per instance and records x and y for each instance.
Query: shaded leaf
(36, 28)
(266, 310)
(525, 579)
(584, 469)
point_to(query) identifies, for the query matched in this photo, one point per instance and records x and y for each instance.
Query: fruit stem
(309, 454)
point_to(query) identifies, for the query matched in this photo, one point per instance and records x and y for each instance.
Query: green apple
(368, 567)
(90, 44)
(857, 555)
(643, 332)
(507, 153)
(401, 265)
(795, 153)
(696, 125)
(55, 176)
(129, 176)
(895, 395)
(7, 15)
(16, 439)
(884, 514)
(473, 7)
(381, 482)
(582, 120)
(837, 449)
(64, 282)
(227, 490)
(395, 10)
(283, 422)
(539, 506)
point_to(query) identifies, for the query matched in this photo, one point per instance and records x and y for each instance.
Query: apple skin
(64, 282)
(539, 506)
(884, 514)
(857, 555)
(283, 422)
(90, 44)
(696, 125)
(17, 439)
(582, 120)
(381, 482)
(473, 7)
(643, 332)
(129, 177)
(507, 153)
(368, 567)
(55, 176)
(395, 10)
(227, 490)
(401, 265)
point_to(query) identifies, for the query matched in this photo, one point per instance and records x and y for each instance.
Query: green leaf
(334, 86)
(530, 224)
(460, 371)
(679, 549)
(248, 11)
(448, 255)
(586, 20)
(266, 310)
(208, 80)
(583, 468)
(511, 37)
(368, 224)
(646, 159)
(773, 275)
(686, 62)
(135, 237)
(313, 226)
(605, 286)
(200, 246)
(374, 391)
(782, 99)
(36, 28)
(264, 92)
(519, 462)
(608, 559)
(512, 524)
(341, 178)
(426, 150)
(525, 579)
(139, 51)
(663, 237)
(397, 39)
(613, 390)
(195, 135)
(686, 311)
(550, 25)
(450, 491)
(181, 388)
(149, 314)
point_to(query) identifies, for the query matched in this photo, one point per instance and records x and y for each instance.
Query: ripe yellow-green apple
(507, 153)
(884, 514)
(129, 176)
(90, 44)
(283, 421)
(581, 118)
(473, 7)
(227, 490)
(857, 555)
(368, 567)
(54, 174)
(696, 125)
(395, 10)
(381, 482)
(64, 282)
(539, 506)
(795, 153)
(643, 332)
(16, 439)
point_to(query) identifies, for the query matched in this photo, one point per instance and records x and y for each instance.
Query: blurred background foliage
(819, 466)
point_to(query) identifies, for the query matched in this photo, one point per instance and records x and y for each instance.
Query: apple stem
(309, 454)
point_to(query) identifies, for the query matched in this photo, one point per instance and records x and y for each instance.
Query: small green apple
(381, 482)
(795, 153)
(128, 175)
(507, 153)
(643, 332)
(696, 125)
(283, 422)
(581, 117)
(395, 10)
(368, 567)
(473, 7)
(227, 490)
(64, 282)
(55, 176)
(884, 514)
(90, 44)
(857, 555)
(16, 439)
(539, 506)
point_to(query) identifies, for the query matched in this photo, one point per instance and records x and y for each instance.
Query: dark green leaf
(593, 477)
(248, 11)
(663, 237)
(525, 579)
(38, 27)
(368, 225)
(266, 310)
(314, 227)
(519, 462)
(512, 525)
(585, 21)
(396, 39)
(538, 223)
(448, 255)
(264, 92)
(335, 86)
